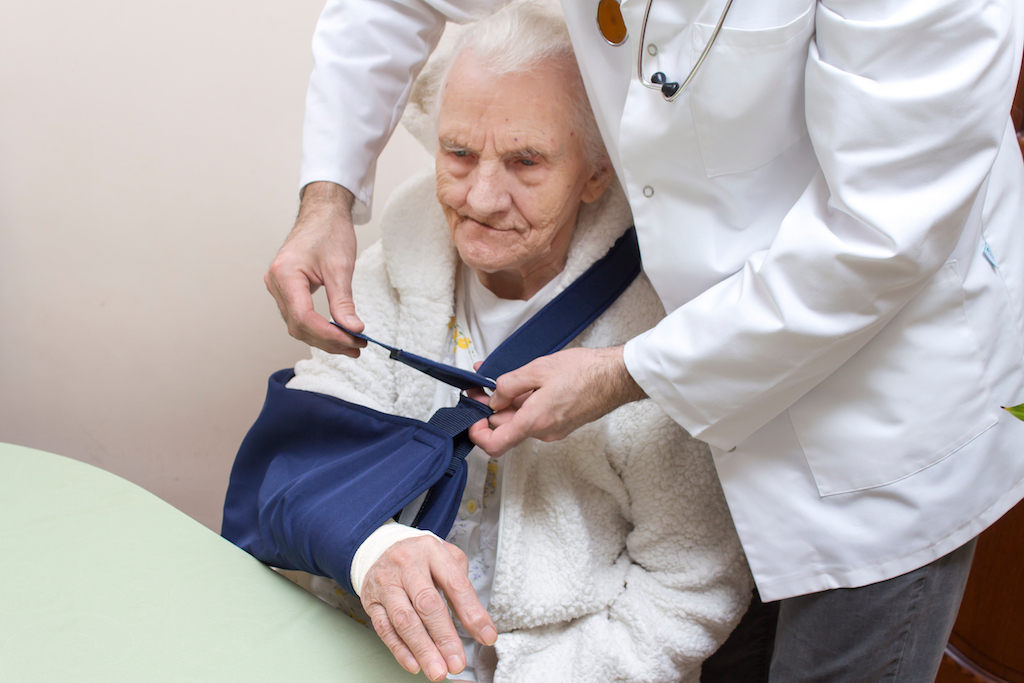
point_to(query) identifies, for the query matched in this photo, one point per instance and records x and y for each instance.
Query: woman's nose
(488, 193)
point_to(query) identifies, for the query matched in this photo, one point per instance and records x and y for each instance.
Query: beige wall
(149, 161)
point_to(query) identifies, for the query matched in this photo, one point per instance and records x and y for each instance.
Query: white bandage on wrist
(375, 545)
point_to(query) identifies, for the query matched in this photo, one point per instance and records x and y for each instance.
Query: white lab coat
(832, 214)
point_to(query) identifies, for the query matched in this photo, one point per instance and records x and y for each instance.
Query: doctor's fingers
(336, 272)
(319, 251)
(504, 416)
(570, 388)
(513, 386)
(292, 290)
(532, 419)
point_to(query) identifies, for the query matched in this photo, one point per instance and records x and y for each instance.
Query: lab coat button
(648, 191)
(652, 49)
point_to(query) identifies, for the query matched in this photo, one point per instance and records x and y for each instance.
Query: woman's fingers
(463, 599)
(382, 625)
(401, 596)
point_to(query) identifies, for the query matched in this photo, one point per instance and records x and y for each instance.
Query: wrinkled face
(511, 173)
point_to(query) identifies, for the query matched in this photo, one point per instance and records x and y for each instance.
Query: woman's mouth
(488, 226)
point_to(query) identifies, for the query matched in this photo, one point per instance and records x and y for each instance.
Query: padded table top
(104, 582)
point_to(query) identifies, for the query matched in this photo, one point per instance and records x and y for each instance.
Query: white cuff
(375, 545)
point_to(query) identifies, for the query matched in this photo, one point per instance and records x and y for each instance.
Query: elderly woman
(608, 556)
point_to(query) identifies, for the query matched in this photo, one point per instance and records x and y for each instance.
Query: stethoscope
(613, 29)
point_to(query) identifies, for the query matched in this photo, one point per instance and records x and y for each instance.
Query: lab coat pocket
(911, 397)
(748, 99)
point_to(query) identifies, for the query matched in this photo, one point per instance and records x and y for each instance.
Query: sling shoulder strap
(550, 329)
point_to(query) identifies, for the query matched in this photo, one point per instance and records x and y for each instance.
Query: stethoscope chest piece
(610, 22)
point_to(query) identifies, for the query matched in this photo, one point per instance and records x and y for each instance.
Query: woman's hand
(401, 596)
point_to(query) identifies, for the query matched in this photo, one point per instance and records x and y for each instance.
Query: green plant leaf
(1016, 411)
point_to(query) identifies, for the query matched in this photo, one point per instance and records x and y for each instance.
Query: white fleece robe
(617, 557)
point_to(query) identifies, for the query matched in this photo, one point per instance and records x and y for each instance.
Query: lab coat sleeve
(906, 103)
(366, 54)
(686, 582)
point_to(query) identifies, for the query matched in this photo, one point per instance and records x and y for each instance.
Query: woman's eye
(460, 153)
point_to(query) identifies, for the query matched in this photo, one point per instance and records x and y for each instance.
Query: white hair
(523, 37)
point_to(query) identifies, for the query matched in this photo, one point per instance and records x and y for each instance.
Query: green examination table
(102, 582)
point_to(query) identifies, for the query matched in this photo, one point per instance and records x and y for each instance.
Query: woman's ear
(598, 181)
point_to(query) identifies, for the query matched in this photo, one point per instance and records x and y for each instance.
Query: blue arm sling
(316, 475)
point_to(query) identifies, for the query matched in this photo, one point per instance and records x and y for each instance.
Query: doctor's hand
(400, 593)
(553, 396)
(319, 252)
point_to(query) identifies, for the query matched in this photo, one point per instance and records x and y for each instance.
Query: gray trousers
(893, 631)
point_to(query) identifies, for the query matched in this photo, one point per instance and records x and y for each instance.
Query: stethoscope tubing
(696, 67)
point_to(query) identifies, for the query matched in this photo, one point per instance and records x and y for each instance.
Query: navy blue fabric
(572, 311)
(442, 502)
(306, 487)
(316, 475)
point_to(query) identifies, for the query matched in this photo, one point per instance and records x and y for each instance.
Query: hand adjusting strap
(549, 330)
(554, 326)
